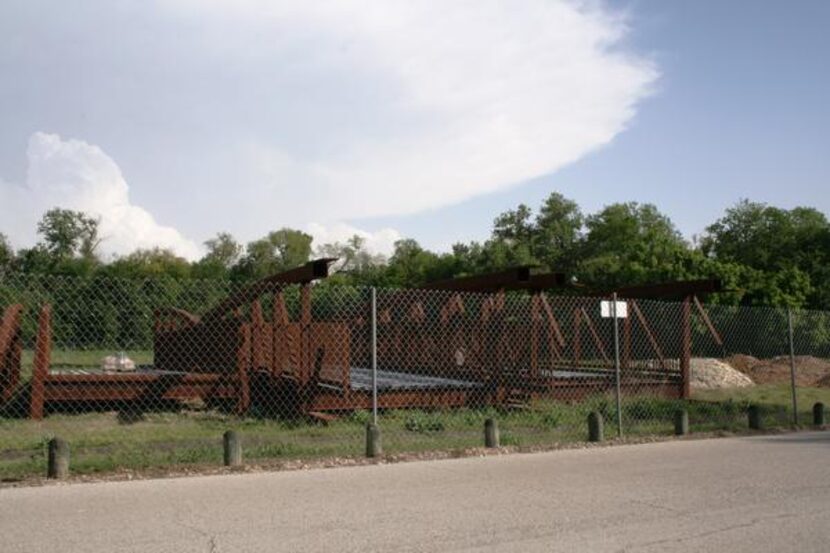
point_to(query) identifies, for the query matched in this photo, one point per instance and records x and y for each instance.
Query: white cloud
(251, 115)
(429, 103)
(378, 242)
(75, 175)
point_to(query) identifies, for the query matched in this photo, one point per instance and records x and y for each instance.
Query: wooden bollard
(681, 422)
(595, 430)
(491, 433)
(233, 448)
(818, 414)
(58, 459)
(754, 417)
(373, 443)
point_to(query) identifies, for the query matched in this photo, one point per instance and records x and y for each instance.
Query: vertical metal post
(792, 364)
(617, 362)
(374, 355)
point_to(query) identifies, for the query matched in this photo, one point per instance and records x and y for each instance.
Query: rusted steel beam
(313, 270)
(490, 282)
(577, 343)
(454, 307)
(542, 282)
(667, 290)
(11, 347)
(243, 363)
(708, 322)
(595, 336)
(649, 334)
(43, 356)
(557, 330)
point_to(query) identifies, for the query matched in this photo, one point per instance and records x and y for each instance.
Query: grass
(105, 441)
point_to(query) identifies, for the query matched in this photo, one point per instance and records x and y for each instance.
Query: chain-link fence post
(792, 364)
(374, 355)
(617, 363)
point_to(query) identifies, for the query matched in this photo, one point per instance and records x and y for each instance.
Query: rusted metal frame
(490, 282)
(42, 360)
(708, 322)
(257, 336)
(393, 399)
(244, 354)
(686, 349)
(279, 334)
(136, 387)
(305, 335)
(595, 335)
(313, 270)
(649, 334)
(11, 347)
(171, 318)
(626, 344)
(454, 307)
(557, 329)
(535, 320)
(556, 339)
(577, 342)
(542, 282)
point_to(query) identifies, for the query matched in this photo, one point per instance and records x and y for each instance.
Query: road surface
(764, 493)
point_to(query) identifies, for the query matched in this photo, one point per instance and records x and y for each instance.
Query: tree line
(764, 254)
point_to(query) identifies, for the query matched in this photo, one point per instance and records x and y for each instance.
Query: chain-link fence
(150, 373)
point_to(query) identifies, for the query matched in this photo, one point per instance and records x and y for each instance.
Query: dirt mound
(712, 374)
(809, 370)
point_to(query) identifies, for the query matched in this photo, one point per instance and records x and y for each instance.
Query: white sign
(606, 309)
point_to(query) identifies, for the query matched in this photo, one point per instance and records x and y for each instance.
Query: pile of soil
(712, 374)
(809, 370)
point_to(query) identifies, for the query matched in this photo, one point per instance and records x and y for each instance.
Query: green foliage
(764, 255)
(280, 250)
(67, 234)
(422, 422)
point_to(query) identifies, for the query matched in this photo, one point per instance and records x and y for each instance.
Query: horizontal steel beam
(313, 270)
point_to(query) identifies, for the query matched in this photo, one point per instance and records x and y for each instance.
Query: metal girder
(313, 270)
(515, 278)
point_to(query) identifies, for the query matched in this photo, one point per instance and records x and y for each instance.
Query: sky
(173, 120)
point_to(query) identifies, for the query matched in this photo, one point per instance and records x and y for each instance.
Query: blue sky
(175, 119)
(742, 110)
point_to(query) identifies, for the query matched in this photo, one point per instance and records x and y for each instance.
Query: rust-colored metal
(313, 270)
(11, 347)
(707, 321)
(42, 360)
(490, 282)
(649, 334)
(595, 336)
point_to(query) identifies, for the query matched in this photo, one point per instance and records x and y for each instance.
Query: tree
(278, 251)
(69, 234)
(558, 233)
(6, 253)
(792, 247)
(411, 265)
(152, 262)
(352, 258)
(223, 252)
(630, 243)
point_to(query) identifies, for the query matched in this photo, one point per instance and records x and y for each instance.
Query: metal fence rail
(150, 373)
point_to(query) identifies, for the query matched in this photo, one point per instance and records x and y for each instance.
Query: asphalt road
(765, 493)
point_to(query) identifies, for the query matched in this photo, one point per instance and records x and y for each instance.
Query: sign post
(616, 310)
